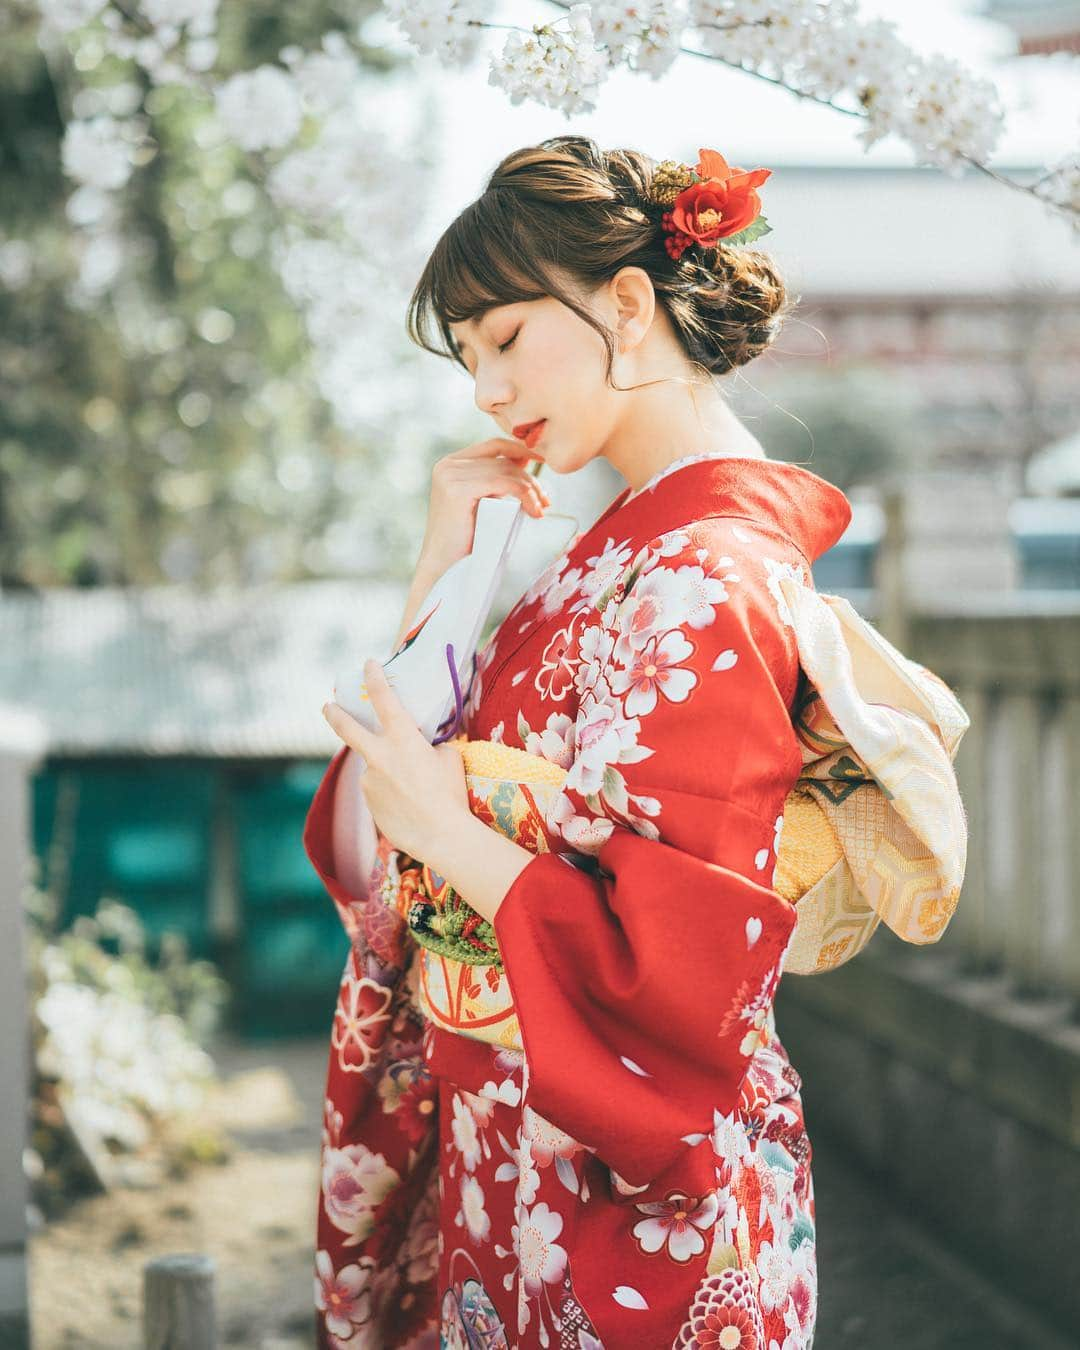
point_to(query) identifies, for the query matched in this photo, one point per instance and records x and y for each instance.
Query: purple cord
(459, 707)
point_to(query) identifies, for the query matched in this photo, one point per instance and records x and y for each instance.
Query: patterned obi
(460, 983)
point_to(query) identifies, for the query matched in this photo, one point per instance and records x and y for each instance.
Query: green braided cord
(457, 951)
(450, 942)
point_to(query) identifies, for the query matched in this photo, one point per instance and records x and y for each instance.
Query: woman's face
(535, 359)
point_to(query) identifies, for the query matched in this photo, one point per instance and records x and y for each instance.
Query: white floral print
(777, 569)
(354, 1182)
(466, 1135)
(541, 1259)
(472, 1212)
(677, 1224)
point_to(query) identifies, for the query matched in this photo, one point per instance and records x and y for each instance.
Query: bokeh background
(216, 444)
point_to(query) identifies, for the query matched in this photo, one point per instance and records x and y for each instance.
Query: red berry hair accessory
(708, 204)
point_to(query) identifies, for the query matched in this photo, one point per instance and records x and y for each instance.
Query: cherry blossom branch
(948, 117)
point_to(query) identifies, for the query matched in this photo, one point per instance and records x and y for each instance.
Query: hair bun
(585, 213)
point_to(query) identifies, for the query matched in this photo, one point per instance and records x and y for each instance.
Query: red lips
(523, 430)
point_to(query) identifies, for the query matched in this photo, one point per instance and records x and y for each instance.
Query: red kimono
(638, 1176)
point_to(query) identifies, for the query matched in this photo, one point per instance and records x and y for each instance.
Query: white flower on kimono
(603, 736)
(654, 670)
(559, 592)
(668, 545)
(332, 1123)
(666, 598)
(360, 1021)
(555, 677)
(584, 834)
(605, 569)
(595, 647)
(355, 1181)
(647, 612)
(774, 1266)
(776, 570)
(753, 1008)
(521, 1169)
(676, 1223)
(800, 1315)
(784, 1210)
(546, 1141)
(540, 1258)
(481, 1106)
(729, 1141)
(555, 743)
(466, 1135)
(344, 1296)
(546, 578)
(507, 1091)
(472, 1213)
(758, 1035)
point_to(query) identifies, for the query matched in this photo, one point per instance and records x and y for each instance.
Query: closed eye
(509, 342)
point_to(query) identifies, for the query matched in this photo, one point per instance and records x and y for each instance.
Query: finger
(388, 707)
(350, 730)
(494, 445)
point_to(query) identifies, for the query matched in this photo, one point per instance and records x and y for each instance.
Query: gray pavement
(885, 1282)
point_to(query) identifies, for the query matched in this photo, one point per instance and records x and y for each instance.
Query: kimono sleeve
(643, 980)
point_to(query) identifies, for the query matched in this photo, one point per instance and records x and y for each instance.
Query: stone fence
(951, 1072)
(1018, 676)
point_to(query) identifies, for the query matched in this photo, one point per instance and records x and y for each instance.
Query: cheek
(578, 362)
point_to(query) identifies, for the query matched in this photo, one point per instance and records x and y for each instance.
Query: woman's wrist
(480, 863)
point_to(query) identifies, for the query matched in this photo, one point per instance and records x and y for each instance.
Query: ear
(635, 304)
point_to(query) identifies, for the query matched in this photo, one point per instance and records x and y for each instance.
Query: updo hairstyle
(565, 206)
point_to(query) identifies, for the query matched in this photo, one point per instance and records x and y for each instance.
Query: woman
(629, 1167)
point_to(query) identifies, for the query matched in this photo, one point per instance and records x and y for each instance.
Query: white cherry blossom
(472, 1213)
(466, 1135)
(260, 109)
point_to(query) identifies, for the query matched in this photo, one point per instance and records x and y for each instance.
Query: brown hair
(566, 204)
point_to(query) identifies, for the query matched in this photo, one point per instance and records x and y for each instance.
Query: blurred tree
(850, 424)
(159, 415)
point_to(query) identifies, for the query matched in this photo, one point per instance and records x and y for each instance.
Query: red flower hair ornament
(709, 204)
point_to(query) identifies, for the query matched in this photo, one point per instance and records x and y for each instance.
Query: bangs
(481, 261)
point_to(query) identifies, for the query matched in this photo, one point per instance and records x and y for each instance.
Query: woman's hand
(415, 791)
(497, 467)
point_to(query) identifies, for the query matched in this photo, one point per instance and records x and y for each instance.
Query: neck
(667, 422)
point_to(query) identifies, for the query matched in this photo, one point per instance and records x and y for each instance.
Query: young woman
(624, 1163)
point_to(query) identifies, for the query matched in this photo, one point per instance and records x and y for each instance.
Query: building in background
(966, 291)
(1041, 26)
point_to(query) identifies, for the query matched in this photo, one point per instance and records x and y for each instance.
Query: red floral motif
(724, 1315)
(418, 1107)
(555, 678)
(360, 1021)
(723, 203)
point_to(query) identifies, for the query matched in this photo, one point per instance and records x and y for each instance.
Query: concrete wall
(962, 1099)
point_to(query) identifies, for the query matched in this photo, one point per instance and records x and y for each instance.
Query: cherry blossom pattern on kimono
(642, 982)
(376, 1227)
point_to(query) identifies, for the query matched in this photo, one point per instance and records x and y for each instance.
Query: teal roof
(173, 671)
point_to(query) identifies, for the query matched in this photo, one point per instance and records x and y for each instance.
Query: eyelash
(509, 342)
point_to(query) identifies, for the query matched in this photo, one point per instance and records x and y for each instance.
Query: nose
(490, 394)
